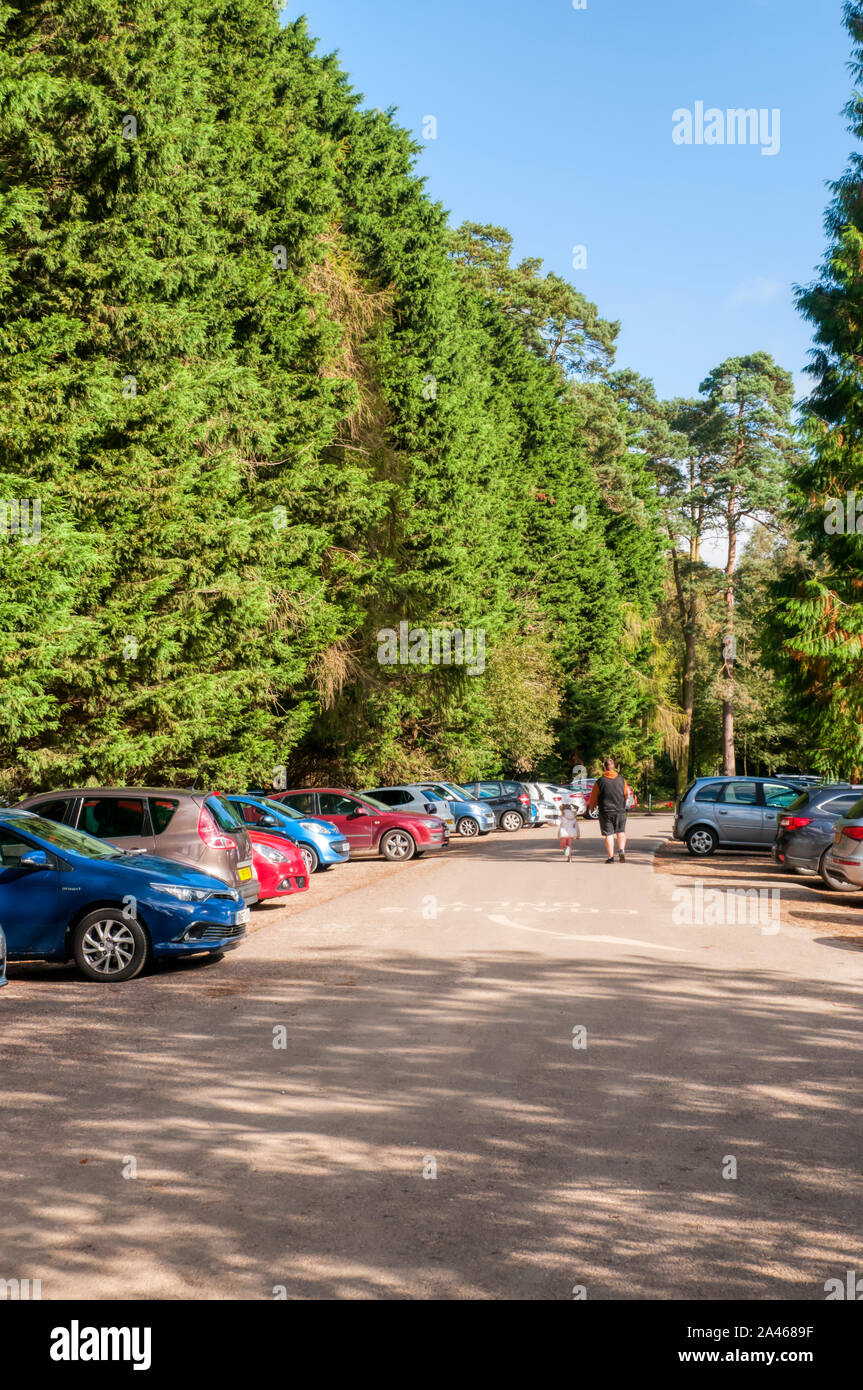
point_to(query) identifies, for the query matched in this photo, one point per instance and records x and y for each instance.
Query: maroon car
(368, 824)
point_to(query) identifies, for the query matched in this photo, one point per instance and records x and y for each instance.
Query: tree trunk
(729, 757)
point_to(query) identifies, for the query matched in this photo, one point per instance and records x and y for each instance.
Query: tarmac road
(433, 1126)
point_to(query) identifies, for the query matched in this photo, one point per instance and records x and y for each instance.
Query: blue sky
(557, 123)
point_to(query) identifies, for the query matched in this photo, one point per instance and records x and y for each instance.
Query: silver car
(844, 860)
(733, 812)
(547, 809)
(416, 800)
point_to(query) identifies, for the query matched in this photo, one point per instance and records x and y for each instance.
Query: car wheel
(398, 845)
(468, 827)
(593, 812)
(108, 946)
(311, 860)
(836, 885)
(702, 841)
(512, 820)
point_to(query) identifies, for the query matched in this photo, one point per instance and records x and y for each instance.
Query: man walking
(609, 793)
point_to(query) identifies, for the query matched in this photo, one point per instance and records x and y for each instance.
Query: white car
(563, 796)
(547, 811)
(417, 801)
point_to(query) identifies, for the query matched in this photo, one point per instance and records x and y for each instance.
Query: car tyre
(702, 841)
(310, 859)
(834, 884)
(512, 820)
(593, 812)
(108, 947)
(398, 846)
(468, 827)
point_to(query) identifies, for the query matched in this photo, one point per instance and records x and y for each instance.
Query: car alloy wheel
(701, 841)
(309, 858)
(108, 946)
(398, 845)
(511, 820)
(593, 812)
(468, 827)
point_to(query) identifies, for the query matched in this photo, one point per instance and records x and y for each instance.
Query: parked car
(319, 842)
(562, 796)
(583, 787)
(805, 835)
(65, 895)
(279, 865)
(547, 810)
(844, 862)
(740, 812)
(196, 828)
(368, 824)
(508, 799)
(416, 800)
(471, 817)
(3, 980)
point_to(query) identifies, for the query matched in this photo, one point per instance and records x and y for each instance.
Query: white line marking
(567, 936)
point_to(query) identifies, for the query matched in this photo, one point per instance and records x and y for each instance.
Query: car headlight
(273, 856)
(179, 890)
(315, 829)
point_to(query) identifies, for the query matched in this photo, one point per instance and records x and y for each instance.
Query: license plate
(241, 917)
(244, 875)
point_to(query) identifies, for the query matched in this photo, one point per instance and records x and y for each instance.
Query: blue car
(319, 842)
(471, 817)
(65, 895)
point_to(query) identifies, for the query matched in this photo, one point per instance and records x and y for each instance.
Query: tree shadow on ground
(303, 1167)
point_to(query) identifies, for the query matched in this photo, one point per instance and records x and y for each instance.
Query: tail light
(209, 832)
(854, 832)
(794, 822)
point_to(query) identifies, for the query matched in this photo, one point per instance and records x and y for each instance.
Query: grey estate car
(197, 828)
(738, 812)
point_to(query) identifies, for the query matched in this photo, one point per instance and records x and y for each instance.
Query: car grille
(214, 932)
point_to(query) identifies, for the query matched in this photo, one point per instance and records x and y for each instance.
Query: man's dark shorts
(612, 823)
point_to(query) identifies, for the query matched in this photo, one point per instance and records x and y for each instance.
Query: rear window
(710, 792)
(839, 805)
(512, 788)
(301, 801)
(53, 810)
(223, 813)
(162, 810)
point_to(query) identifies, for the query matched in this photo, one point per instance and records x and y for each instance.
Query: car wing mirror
(34, 859)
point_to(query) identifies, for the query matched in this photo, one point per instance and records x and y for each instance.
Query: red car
(368, 824)
(279, 867)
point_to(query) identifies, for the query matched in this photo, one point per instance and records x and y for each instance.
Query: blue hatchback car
(319, 841)
(65, 895)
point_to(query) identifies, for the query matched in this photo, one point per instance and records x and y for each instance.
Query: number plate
(241, 917)
(244, 875)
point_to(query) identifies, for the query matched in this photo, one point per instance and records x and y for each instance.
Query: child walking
(569, 830)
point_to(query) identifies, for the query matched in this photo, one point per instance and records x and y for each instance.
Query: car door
(778, 796)
(740, 815)
(356, 822)
(30, 899)
(123, 820)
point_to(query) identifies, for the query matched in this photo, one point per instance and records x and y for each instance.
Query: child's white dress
(569, 828)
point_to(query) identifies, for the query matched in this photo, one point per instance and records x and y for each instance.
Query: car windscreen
(63, 837)
(279, 808)
(373, 801)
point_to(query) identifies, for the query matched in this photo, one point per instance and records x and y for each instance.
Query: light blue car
(319, 842)
(471, 817)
